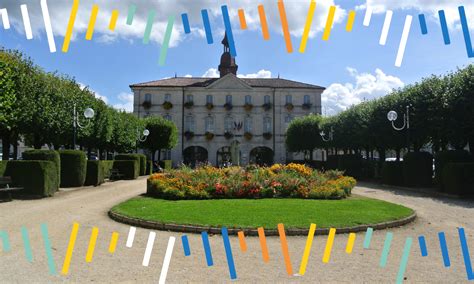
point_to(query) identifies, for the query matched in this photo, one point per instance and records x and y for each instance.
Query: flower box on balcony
(228, 106)
(248, 135)
(289, 107)
(267, 106)
(306, 106)
(209, 136)
(167, 105)
(189, 135)
(228, 135)
(209, 106)
(248, 107)
(267, 135)
(146, 104)
(188, 105)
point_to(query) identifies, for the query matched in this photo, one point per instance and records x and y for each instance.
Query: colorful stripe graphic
(284, 25)
(26, 243)
(403, 41)
(167, 260)
(243, 22)
(207, 248)
(26, 21)
(329, 243)
(185, 20)
(166, 40)
(113, 242)
(350, 21)
(422, 243)
(5, 241)
(444, 27)
(93, 19)
(465, 30)
(263, 22)
(465, 254)
(386, 27)
(307, 249)
(149, 26)
(228, 253)
(368, 16)
(113, 20)
(307, 26)
(207, 26)
(149, 248)
(284, 249)
(329, 23)
(47, 248)
(386, 249)
(263, 244)
(47, 26)
(243, 244)
(70, 248)
(228, 30)
(5, 20)
(368, 237)
(70, 25)
(185, 242)
(404, 260)
(131, 236)
(350, 243)
(444, 249)
(131, 13)
(424, 28)
(92, 242)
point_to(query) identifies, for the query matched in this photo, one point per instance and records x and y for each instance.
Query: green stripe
(6, 241)
(166, 40)
(131, 13)
(26, 242)
(149, 25)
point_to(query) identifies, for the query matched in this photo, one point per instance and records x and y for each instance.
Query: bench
(115, 174)
(5, 187)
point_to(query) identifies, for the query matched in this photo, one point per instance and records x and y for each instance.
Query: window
(266, 100)
(189, 123)
(248, 124)
(189, 98)
(209, 124)
(166, 154)
(307, 100)
(167, 117)
(288, 120)
(228, 124)
(148, 98)
(248, 100)
(228, 99)
(267, 124)
(289, 99)
(209, 99)
(167, 98)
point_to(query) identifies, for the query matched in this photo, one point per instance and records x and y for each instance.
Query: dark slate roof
(204, 82)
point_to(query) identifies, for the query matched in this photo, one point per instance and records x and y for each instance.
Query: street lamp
(331, 135)
(392, 117)
(141, 137)
(88, 114)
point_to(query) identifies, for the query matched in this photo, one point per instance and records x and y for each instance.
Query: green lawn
(248, 213)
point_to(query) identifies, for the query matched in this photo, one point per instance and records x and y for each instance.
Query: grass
(252, 213)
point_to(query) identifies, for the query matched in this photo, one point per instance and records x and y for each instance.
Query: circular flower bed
(290, 181)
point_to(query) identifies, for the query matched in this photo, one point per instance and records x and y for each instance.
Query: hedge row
(130, 169)
(38, 178)
(73, 168)
(141, 159)
(3, 166)
(458, 178)
(45, 155)
(443, 158)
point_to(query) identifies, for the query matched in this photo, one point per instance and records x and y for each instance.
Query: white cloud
(96, 94)
(211, 73)
(214, 73)
(126, 102)
(338, 97)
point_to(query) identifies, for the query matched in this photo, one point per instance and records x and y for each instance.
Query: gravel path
(89, 207)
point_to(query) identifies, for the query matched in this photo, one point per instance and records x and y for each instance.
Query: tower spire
(227, 61)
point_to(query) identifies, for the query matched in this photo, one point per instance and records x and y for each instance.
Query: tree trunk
(5, 147)
(15, 150)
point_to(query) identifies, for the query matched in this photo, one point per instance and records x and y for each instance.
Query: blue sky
(353, 66)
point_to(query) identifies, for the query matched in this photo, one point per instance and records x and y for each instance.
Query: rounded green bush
(73, 168)
(45, 155)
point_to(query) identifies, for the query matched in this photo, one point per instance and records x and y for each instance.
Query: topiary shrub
(95, 173)
(142, 165)
(351, 164)
(3, 166)
(45, 155)
(392, 173)
(130, 169)
(73, 168)
(444, 157)
(107, 166)
(141, 159)
(149, 167)
(38, 178)
(458, 178)
(418, 169)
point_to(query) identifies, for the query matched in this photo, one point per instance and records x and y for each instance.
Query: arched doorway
(195, 155)
(224, 157)
(261, 156)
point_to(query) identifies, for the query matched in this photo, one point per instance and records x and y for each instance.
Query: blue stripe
(404, 261)
(465, 254)
(47, 247)
(187, 28)
(228, 30)
(187, 251)
(368, 237)
(465, 30)
(386, 249)
(26, 242)
(6, 241)
(424, 28)
(422, 242)
(207, 26)
(228, 252)
(444, 249)
(444, 27)
(207, 248)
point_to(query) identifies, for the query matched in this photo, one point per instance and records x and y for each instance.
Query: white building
(228, 118)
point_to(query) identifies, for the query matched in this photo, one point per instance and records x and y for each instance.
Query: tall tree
(163, 135)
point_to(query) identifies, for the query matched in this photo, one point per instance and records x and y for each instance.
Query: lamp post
(141, 137)
(392, 117)
(330, 138)
(88, 114)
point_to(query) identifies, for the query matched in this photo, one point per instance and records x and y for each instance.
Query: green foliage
(73, 168)
(107, 167)
(95, 173)
(303, 134)
(38, 178)
(143, 166)
(130, 169)
(352, 165)
(444, 157)
(163, 134)
(392, 173)
(458, 178)
(3, 166)
(45, 155)
(149, 167)
(418, 169)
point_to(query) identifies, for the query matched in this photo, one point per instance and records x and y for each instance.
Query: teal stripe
(6, 241)
(47, 247)
(149, 25)
(131, 13)
(386, 249)
(368, 237)
(166, 40)
(404, 261)
(26, 242)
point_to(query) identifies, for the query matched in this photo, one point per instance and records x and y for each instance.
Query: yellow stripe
(92, 242)
(113, 242)
(327, 250)
(113, 20)
(329, 22)
(307, 249)
(307, 27)
(350, 243)
(90, 29)
(70, 25)
(70, 248)
(350, 21)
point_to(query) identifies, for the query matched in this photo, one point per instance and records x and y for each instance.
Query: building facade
(228, 119)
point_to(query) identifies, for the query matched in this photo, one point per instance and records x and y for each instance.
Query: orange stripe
(243, 22)
(243, 244)
(284, 248)
(284, 25)
(263, 244)
(263, 22)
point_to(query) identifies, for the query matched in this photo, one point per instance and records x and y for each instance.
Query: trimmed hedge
(418, 169)
(3, 166)
(143, 165)
(130, 169)
(141, 159)
(352, 165)
(38, 178)
(107, 166)
(73, 168)
(458, 178)
(149, 167)
(45, 155)
(95, 173)
(444, 157)
(392, 173)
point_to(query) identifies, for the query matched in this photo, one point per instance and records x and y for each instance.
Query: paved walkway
(89, 207)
